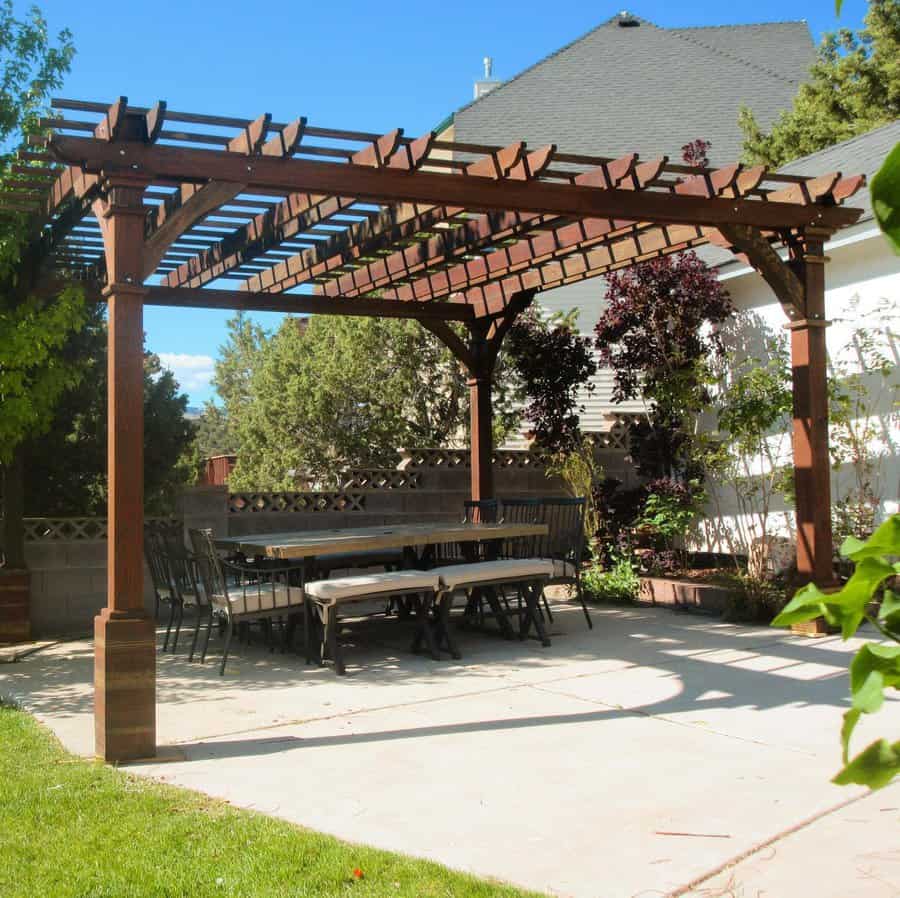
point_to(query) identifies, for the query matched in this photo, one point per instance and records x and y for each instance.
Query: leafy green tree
(215, 433)
(32, 378)
(333, 392)
(67, 464)
(753, 458)
(238, 358)
(854, 86)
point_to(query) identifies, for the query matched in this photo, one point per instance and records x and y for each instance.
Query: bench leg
(425, 628)
(443, 625)
(532, 614)
(331, 638)
(496, 606)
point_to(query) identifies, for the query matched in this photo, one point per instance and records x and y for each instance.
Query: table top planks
(310, 543)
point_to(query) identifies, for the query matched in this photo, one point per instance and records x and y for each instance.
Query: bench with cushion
(326, 596)
(526, 575)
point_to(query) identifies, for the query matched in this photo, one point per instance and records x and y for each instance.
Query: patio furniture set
(498, 559)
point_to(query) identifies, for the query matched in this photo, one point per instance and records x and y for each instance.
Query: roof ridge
(645, 22)
(738, 25)
(724, 53)
(865, 135)
(553, 55)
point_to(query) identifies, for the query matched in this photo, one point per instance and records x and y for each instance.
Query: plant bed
(712, 593)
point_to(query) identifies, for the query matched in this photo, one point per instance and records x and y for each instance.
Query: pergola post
(481, 415)
(799, 285)
(812, 463)
(125, 636)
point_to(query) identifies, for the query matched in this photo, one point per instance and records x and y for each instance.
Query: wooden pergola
(305, 219)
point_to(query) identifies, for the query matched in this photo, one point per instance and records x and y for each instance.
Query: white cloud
(193, 372)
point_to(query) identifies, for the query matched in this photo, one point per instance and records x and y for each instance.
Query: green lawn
(71, 828)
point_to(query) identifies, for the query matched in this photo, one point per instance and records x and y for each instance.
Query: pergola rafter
(311, 220)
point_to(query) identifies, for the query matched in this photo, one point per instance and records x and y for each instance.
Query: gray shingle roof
(646, 89)
(860, 155)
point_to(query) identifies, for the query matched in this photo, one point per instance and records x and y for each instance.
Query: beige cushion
(509, 570)
(563, 569)
(344, 589)
(252, 600)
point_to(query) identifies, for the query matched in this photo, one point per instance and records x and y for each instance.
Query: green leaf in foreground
(874, 767)
(885, 190)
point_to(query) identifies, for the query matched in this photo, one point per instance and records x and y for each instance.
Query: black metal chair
(564, 543)
(240, 593)
(164, 591)
(475, 511)
(185, 585)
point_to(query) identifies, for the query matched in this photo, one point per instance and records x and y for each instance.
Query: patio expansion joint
(340, 715)
(767, 843)
(680, 723)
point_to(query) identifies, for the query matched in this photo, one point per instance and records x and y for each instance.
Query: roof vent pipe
(488, 83)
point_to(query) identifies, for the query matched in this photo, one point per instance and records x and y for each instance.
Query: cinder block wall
(69, 576)
(68, 585)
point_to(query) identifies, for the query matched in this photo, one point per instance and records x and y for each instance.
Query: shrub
(618, 584)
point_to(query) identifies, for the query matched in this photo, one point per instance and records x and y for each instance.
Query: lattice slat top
(285, 207)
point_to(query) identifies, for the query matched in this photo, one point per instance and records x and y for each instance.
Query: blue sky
(363, 65)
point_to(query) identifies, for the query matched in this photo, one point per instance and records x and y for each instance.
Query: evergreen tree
(854, 86)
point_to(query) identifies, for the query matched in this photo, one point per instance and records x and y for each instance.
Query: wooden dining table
(311, 547)
(309, 544)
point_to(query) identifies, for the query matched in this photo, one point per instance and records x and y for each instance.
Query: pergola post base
(124, 686)
(15, 606)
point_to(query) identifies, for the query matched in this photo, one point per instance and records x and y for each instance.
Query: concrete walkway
(659, 754)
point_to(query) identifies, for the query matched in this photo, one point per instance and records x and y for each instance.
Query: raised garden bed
(687, 592)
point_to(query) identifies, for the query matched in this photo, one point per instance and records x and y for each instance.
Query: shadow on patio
(675, 664)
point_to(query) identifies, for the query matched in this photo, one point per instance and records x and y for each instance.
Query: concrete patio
(659, 754)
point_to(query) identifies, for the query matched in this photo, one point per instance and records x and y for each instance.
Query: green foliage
(215, 433)
(581, 473)
(32, 331)
(670, 513)
(885, 189)
(66, 466)
(620, 583)
(754, 408)
(854, 86)
(863, 384)
(326, 393)
(335, 392)
(876, 666)
(235, 365)
(752, 599)
(34, 373)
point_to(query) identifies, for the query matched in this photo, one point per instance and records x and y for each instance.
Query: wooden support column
(125, 636)
(479, 356)
(812, 463)
(481, 416)
(799, 285)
